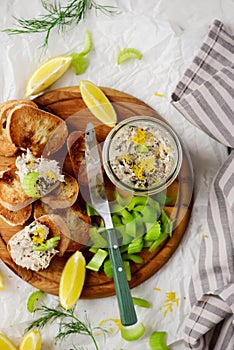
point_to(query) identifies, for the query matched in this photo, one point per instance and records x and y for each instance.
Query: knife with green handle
(100, 203)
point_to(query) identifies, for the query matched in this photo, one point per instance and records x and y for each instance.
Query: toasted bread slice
(64, 195)
(12, 195)
(33, 128)
(21, 249)
(7, 148)
(76, 150)
(15, 218)
(76, 219)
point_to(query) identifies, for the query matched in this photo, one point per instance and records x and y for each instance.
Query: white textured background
(168, 33)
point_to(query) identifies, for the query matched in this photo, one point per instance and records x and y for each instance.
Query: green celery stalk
(166, 223)
(97, 239)
(135, 246)
(127, 268)
(97, 260)
(133, 333)
(157, 341)
(108, 268)
(157, 242)
(141, 302)
(153, 231)
(133, 257)
(137, 200)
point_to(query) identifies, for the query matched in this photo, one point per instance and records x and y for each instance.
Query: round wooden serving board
(68, 104)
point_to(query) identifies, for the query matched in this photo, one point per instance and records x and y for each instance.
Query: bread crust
(33, 128)
(64, 195)
(7, 148)
(15, 218)
(56, 226)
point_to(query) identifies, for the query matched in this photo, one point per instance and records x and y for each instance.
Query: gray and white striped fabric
(205, 96)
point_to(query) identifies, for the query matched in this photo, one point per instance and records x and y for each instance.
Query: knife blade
(100, 203)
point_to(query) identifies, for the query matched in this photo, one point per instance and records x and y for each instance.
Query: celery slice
(96, 237)
(108, 268)
(133, 257)
(157, 242)
(133, 333)
(141, 302)
(137, 200)
(166, 225)
(33, 298)
(135, 246)
(90, 210)
(153, 231)
(157, 341)
(127, 268)
(97, 260)
(79, 62)
(30, 184)
(128, 53)
(88, 43)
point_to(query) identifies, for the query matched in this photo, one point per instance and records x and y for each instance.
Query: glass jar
(142, 155)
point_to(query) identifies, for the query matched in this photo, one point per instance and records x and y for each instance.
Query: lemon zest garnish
(169, 301)
(117, 322)
(140, 136)
(158, 94)
(51, 175)
(39, 235)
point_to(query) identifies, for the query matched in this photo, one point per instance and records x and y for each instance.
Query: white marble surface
(168, 33)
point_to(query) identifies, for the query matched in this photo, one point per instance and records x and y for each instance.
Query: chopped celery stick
(139, 208)
(96, 238)
(97, 260)
(108, 269)
(137, 200)
(116, 208)
(135, 258)
(123, 201)
(157, 242)
(93, 250)
(130, 228)
(88, 43)
(33, 298)
(147, 244)
(149, 214)
(135, 246)
(153, 231)
(116, 220)
(127, 267)
(126, 238)
(126, 216)
(133, 333)
(123, 249)
(90, 210)
(166, 223)
(157, 341)
(141, 302)
(161, 197)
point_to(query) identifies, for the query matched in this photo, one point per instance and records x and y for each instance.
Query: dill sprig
(68, 323)
(58, 16)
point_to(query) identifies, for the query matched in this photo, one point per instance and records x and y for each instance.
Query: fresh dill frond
(58, 16)
(68, 323)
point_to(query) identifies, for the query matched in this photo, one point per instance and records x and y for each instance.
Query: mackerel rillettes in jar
(142, 155)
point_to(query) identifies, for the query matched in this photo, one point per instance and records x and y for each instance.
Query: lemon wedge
(46, 74)
(72, 280)
(31, 341)
(2, 286)
(5, 343)
(98, 103)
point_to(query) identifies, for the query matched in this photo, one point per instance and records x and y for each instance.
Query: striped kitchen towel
(205, 96)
